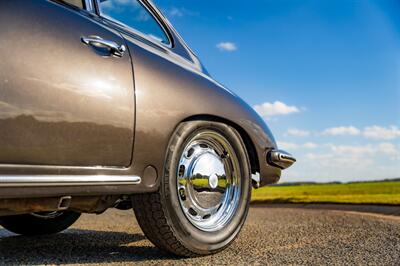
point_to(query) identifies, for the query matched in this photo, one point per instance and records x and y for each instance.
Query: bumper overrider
(274, 162)
(280, 159)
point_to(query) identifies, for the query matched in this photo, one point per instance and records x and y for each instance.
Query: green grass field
(352, 193)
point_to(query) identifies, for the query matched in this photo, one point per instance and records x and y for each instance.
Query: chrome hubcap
(208, 181)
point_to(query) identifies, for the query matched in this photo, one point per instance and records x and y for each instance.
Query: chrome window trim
(166, 27)
(139, 33)
(89, 6)
(193, 59)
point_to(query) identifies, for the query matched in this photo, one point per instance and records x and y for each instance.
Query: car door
(162, 67)
(66, 87)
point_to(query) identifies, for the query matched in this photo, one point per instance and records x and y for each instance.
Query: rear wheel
(203, 199)
(43, 223)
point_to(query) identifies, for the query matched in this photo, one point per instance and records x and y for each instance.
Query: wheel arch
(250, 147)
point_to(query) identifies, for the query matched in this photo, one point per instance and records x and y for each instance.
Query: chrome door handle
(115, 48)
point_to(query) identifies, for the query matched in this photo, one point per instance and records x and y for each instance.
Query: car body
(89, 105)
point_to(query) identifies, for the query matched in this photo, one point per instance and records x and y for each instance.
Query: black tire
(160, 215)
(35, 225)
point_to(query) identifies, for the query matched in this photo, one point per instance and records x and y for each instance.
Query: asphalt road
(273, 235)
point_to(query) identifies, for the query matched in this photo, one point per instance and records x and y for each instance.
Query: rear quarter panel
(168, 91)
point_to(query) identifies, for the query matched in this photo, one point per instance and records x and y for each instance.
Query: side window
(77, 3)
(133, 14)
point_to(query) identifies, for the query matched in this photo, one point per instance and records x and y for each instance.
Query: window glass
(77, 3)
(133, 14)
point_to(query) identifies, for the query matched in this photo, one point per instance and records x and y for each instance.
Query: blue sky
(325, 75)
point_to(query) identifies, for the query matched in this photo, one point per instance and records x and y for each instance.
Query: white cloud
(385, 148)
(227, 46)
(355, 150)
(371, 132)
(336, 131)
(268, 110)
(289, 146)
(330, 162)
(298, 133)
(310, 145)
(341, 161)
(178, 12)
(381, 133)
(175, 12)
(389, 149)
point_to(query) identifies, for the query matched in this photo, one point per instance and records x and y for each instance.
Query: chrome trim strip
(66, 167)
(62, 180)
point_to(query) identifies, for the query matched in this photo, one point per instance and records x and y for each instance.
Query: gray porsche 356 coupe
(102, 105)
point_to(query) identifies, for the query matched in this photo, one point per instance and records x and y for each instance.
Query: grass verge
(383, 193)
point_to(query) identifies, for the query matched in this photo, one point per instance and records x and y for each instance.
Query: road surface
(273, 235)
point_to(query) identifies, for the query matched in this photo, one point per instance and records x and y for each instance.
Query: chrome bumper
(281, 159)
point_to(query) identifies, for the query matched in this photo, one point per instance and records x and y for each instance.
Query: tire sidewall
(200, 241)
(29, 225)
